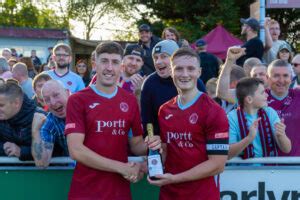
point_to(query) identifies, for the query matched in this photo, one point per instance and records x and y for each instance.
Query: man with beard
(147, 41)
(254, 46)
(47, 131)
(62, 54)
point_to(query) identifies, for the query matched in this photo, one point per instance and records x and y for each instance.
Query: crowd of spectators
(33, 95)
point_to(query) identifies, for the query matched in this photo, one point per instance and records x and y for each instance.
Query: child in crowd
(255, 129)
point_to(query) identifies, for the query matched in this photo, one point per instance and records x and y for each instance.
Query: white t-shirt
(270, 55)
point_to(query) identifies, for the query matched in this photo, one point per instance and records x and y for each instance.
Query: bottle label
(154, 165)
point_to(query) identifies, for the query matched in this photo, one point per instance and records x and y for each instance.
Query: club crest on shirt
(69, 82)
(193, 118)
(124, 106)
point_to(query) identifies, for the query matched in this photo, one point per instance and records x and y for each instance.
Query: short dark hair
(185, 51)
(245, 87)
(109, 47)
(12, 91)
(40, 77)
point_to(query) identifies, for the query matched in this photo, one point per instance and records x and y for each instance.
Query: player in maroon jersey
(194, 131)
(97, 125)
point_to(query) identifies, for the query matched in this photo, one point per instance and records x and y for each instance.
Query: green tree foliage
(91, 11)
(194, 18)
(289, 23)
(24, 14)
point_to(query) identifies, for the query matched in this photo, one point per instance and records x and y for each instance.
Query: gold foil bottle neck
(150, 130)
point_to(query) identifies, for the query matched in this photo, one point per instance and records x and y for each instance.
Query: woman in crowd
(171, 33)
(285, 53)
(83, 71)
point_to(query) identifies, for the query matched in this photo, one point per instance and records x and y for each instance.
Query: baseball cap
(200, 43)
(285, 46)
(252, 22)
(144, 27)
(165, 46)
(134, 49)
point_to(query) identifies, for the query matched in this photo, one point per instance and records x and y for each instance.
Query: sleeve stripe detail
(217, 152)
(217, 141)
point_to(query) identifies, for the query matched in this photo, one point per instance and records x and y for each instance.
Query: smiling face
(162, 64)
(284, 54)
(279, 80)
(132, 64)
(55, 97)
(185, 72)
(108, 68)
(145, 36)
(170, 36)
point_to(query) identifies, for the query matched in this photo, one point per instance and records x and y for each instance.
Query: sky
(107, 26)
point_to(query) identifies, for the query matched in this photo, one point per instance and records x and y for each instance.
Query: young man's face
(108, 68)
(8, 108)
(279, 80)
(62, 58)
(260, 97)
(162, 64)
(132, 64)
(145, 36)
(274, 31)
(185, 72)
(259, 72)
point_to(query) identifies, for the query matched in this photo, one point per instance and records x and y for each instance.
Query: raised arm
(223, 90)
(268, 38)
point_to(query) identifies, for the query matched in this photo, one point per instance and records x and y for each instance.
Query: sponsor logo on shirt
(115, 125)
(92, 106)
(70, 125)
(193, 118)
(168, 116)
(183, 140)
(124, 107)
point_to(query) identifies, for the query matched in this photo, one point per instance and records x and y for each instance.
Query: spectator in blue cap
(209, 63)
(254, 46)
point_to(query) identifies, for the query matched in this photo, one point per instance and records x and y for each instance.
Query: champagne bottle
(154, 160)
